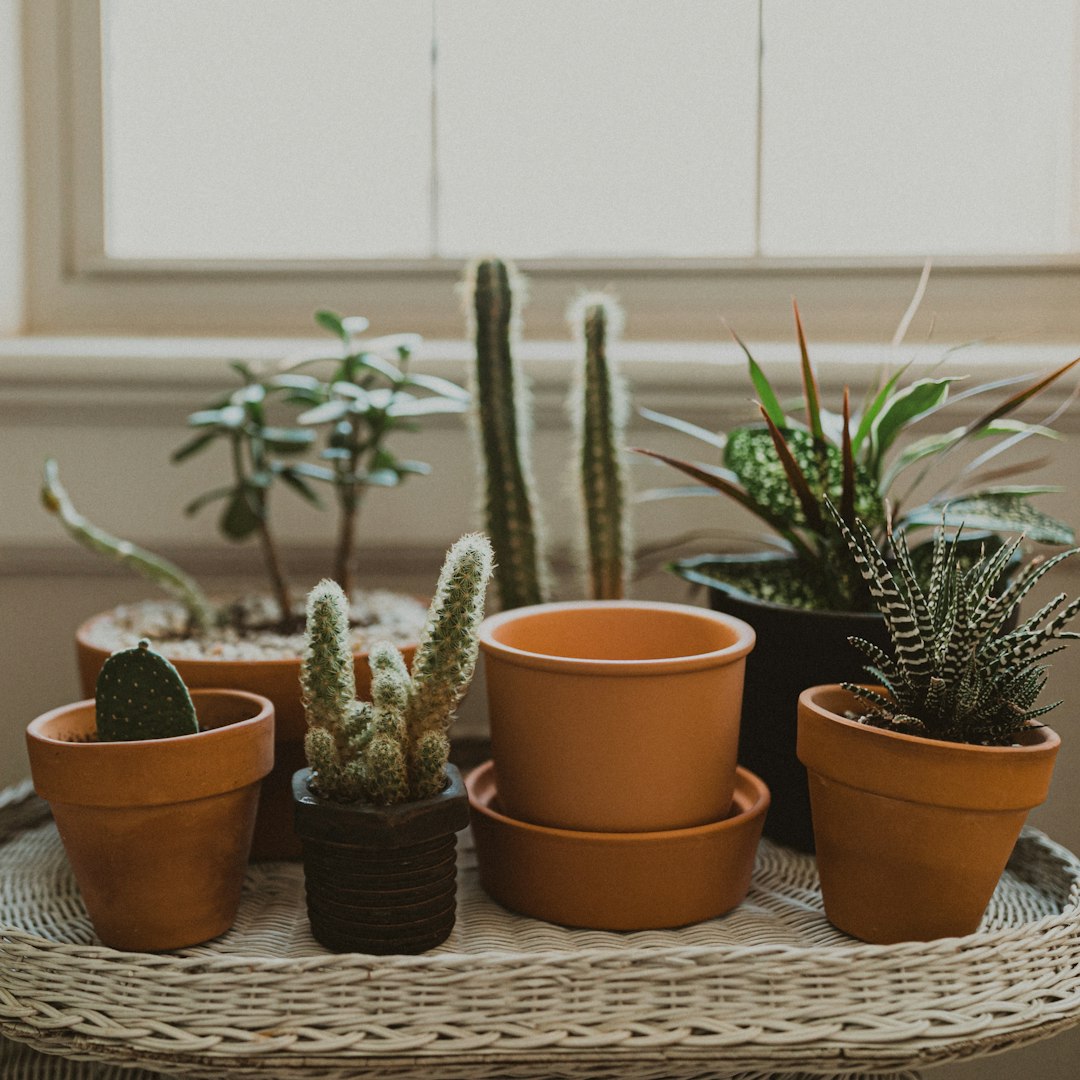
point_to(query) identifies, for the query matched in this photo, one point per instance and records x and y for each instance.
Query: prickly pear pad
(140, 695)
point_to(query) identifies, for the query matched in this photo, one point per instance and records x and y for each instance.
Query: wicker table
(771, 988)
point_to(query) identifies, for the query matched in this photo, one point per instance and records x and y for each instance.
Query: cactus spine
(161, 572)
(502, 434)
(599, 409)
(140, 695)
(395, 747)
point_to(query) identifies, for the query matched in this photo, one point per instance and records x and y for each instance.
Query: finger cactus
(394, 748)
(502, 431)
(140, 695)
(599, 409)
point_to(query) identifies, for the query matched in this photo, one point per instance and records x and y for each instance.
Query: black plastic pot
(796, 648)
(381, 879)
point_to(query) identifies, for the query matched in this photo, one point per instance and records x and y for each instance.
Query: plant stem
(274, 569)
(269, 549)
(343, 554)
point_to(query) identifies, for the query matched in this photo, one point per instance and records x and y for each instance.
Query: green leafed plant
(957, 671)
(321, 419)
(393, 748)
(784, 468)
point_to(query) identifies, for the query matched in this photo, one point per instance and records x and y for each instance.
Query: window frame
(74, 287)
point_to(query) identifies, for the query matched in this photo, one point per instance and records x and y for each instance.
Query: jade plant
(784, 468)
(959, 671)
(140, 695)
(323, 419)
(501, 395)
(395, 747)
(599, 409)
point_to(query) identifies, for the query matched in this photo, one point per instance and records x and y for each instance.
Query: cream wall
(113, 435)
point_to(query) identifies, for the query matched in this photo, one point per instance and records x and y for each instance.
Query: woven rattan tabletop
(770, 988)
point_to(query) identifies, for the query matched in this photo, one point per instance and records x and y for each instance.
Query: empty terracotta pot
(912, 834)
(615, 716)
(381, 879)
(278, 680)
(157, 831)
(617, 881)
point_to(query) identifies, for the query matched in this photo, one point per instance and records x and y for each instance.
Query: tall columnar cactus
(166, 575)
(395, 747)
(140, 695)
(599, 409)
(502, 430)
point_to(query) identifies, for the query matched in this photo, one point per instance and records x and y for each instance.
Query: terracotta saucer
(617, 881)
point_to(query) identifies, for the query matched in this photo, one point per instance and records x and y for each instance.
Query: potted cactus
(802, 594)
(318, 423)
(920, 783)
(502, 422)
(154, 792)
(378, 807)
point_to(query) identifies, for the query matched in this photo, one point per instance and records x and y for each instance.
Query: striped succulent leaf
(955, 673)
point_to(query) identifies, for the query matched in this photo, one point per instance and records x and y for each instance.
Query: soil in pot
(381, 879)
(615, 715)
(253, 655)
(912, 834)
(157, 831)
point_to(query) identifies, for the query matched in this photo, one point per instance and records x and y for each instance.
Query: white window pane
(928, 126)
(267, 128)
(596, 127)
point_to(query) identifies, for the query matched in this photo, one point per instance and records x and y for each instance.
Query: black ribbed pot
(380, 879)
(796, 648)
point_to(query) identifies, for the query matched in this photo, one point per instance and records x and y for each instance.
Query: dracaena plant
(319, 420)
(957, 671)
(783, 469)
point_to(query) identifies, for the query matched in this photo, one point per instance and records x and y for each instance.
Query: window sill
(118, 379)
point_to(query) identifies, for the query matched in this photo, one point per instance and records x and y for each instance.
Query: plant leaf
(1003, 510)
(299, 485)
(810, 387)
(904, 408)
(326, 413)
(407, 405)
(241, 516)
(713, 438)
(796, 477)
(207, 497)
(192, 447)
(444, 387)
(847, 488)
(1018, 399)
(680, 492)
(332, 321)
(873, 410)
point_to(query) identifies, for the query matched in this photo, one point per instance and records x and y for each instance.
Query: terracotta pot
(587, 700)
(912, 834)
(617, 881)
(157, 831)
(278, 680)
(380, 879)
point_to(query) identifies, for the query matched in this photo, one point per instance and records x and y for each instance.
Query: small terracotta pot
(615, 716)
(617, 881)
(380, 879)
(912, 834)
(157, 831)
(278, 680)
